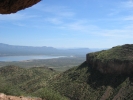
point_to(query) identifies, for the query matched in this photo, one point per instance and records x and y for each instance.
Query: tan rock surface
(8, 97)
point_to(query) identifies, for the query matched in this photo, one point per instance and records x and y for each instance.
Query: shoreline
(28, 58)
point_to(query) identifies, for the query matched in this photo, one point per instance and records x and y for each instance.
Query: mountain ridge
(11, 50)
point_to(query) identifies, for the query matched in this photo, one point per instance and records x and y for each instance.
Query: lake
(24, 58)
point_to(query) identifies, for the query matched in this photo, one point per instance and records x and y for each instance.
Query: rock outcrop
(117, 60)
(8, 97)
(12, 6)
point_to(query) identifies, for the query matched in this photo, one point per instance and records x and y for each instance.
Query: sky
(70, 24)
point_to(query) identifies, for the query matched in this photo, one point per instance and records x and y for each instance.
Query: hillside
(85, 82)
(28, 82)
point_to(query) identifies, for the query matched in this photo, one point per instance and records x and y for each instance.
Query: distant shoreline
(27, 58)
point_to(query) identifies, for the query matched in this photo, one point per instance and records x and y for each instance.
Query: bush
(49, 94)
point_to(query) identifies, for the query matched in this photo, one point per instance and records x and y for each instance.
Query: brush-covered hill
(28, 80)
(87, 82)
(19, 81)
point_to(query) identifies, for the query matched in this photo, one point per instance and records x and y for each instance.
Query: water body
(24, 58)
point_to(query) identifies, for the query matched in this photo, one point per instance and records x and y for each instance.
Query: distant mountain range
(13, 50)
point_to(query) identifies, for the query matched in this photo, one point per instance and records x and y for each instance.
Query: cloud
(114, 12)
(128, 18)
(20, 24)
(16, 16)
(121, 7)
(64, 18)
(81, 26)
(53, 14)
(12, 17)
(128, 4)
(55, 10)
(54, 20)
(66, 14)
(117, 33)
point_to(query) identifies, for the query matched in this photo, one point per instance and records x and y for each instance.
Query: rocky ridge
(117, 60)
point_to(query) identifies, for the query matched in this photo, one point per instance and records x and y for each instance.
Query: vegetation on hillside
(78, 83)
(84, 83)
(124, 52)
(28, 82)
(118, 60)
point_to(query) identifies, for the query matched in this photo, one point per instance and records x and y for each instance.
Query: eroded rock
(12, 6)
(117, 60)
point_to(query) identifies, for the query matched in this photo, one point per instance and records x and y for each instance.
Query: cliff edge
(117, 60)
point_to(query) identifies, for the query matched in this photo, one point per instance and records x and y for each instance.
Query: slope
(83, 83)
(26, 80)
(86, 82)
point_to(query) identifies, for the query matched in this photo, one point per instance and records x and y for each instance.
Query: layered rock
(117, 60)
(12, 6)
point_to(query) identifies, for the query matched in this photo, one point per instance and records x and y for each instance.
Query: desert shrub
(10, 90)
(49, 94)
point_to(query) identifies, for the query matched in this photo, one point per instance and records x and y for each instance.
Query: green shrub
(10, 90)
(49, 94)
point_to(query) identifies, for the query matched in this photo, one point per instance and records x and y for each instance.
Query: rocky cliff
(12, 6)
(117, 60)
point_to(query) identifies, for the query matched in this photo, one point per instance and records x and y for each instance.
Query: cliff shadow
(97, 79)
(83, 65)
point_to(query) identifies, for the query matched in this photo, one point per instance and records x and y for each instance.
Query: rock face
(117, 60)
(8, 97)
(12, 6)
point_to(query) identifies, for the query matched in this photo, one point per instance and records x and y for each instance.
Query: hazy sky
(70, 23)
